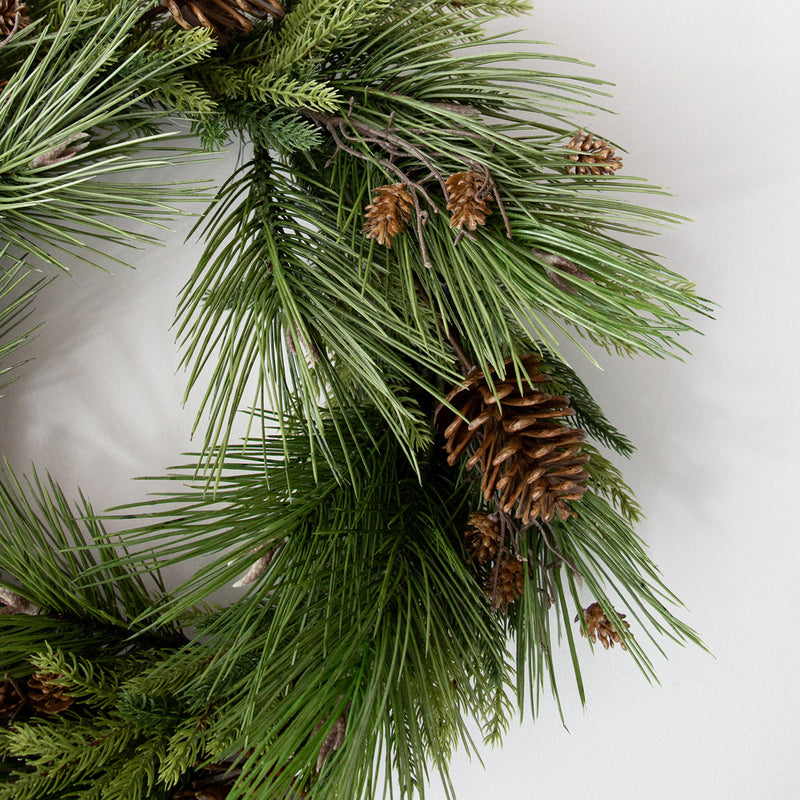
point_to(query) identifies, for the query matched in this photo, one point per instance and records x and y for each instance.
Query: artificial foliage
(426, 503)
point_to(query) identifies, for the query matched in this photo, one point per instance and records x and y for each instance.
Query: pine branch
(45, 549)
(275, 278)
(15, 306)
(60, 752)
(55, 194)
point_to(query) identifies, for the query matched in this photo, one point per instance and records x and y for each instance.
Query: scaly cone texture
(599, 627)
(469, 195)
(388, 214)
(226, 18)
(13, 14)
(531, 462)
(505, 582)
(592, 156)
(46, 696)
(482, 536)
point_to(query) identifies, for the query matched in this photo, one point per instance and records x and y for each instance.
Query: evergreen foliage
(73, 121)
(17, 293)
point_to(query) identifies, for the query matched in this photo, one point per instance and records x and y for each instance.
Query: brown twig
(14, 29)
(558, 555)
(344, 129)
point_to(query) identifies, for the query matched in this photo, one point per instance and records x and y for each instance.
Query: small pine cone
(388, 214)
(482, 536)
(599, 627)
(12, 12)
(10, 699)
(531, 462)
(226, 18)
(468, 198)
(46, 696)
(592, 157)
(505, 583)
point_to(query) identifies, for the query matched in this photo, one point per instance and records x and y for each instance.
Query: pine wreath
(373, 270)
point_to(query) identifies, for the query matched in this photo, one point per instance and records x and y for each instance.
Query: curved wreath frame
(426, 486)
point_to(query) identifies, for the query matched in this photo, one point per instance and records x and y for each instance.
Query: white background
(707, 102)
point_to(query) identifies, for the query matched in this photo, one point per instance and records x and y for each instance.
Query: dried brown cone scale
(505, 583)
(530, 461)
(592, 156)
(226, 18)
(598, 627)
(12, 13)
(47, 697)
(482, 536)
(388, 214)
(468, 197)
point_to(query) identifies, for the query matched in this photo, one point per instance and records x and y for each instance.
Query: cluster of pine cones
(504, 577)
(469, 195)
(530, 462)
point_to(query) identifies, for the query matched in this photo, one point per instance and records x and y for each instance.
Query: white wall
(707, 105)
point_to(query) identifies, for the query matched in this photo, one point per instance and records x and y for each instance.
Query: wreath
(425, 503)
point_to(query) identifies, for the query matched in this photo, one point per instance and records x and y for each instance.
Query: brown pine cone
(388, 214)
(592, 156)
(47, 697)
(530, 460)
(468, 197)
(226, 18)
(12, 12)
(505, 583)
(599, 627)
(482, 536)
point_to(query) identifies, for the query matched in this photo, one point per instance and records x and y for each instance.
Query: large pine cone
(469, 195)
(9, 9)
(226, 18)
(47, 697)
(592, 156)
(530, 460)
(388, 214)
